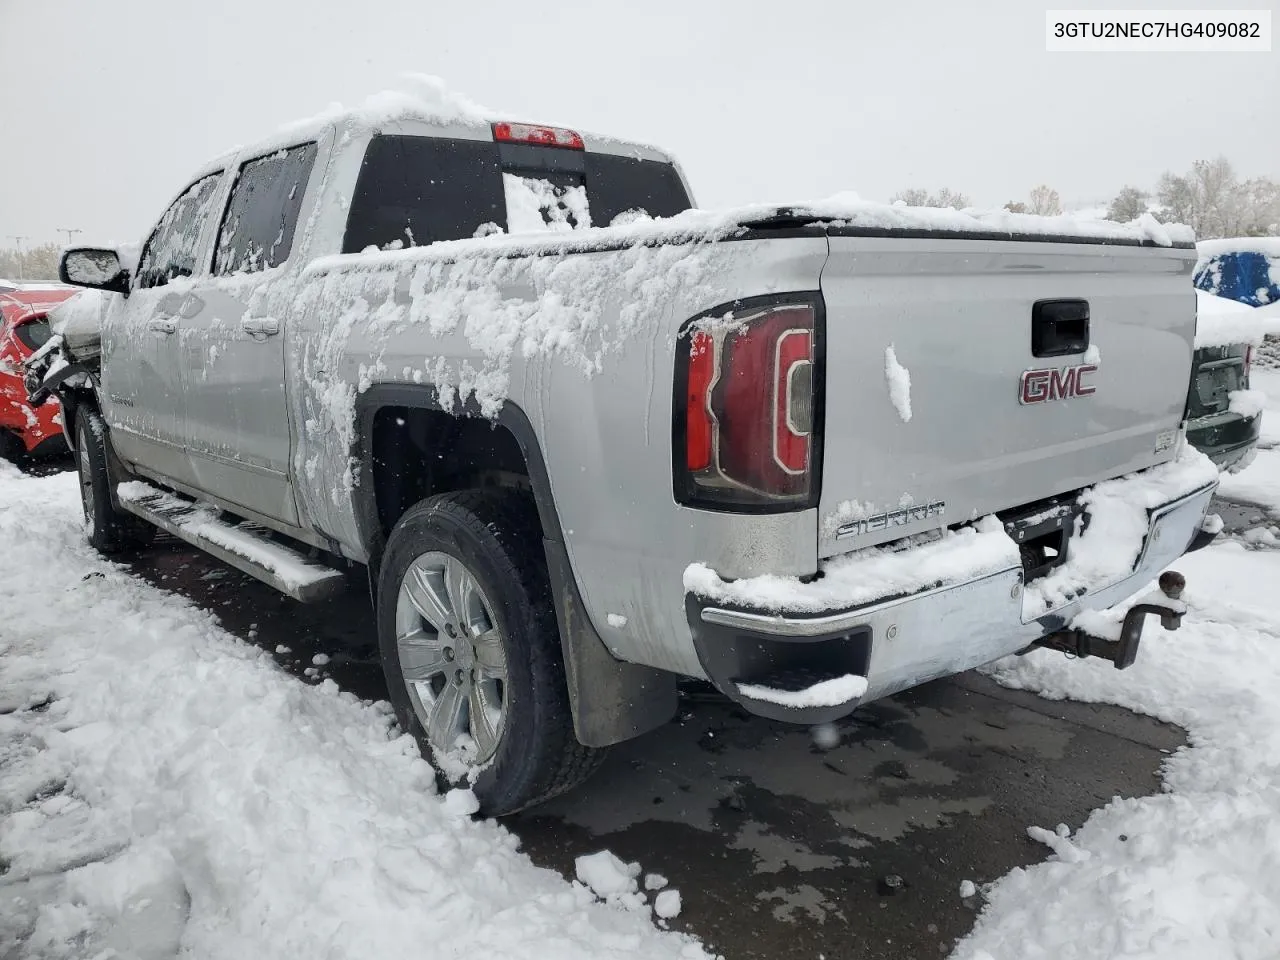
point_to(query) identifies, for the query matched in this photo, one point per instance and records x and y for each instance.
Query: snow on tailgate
(181, 795)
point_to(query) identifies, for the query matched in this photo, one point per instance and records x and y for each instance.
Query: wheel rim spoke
(462, 595)
(427, 597)
(444, 722)
(490, 658)
(421, 656)
(485, 717)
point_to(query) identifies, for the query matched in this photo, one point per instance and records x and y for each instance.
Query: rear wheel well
(417, 452)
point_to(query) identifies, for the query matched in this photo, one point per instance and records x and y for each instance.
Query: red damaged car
(24, 328)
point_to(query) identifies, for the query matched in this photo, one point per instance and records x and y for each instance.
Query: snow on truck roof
(426, 102)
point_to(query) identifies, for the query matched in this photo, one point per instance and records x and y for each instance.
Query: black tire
(11, 447)
(108, 530)
(496, 536)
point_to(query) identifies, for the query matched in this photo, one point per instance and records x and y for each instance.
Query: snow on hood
(1221, 322)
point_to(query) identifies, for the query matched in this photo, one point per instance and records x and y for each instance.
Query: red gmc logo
(1041, 386)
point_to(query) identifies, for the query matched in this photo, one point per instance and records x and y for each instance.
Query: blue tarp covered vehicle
(1245, 269)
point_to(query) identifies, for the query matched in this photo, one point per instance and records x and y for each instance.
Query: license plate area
(1043, 533)
(1214, 382)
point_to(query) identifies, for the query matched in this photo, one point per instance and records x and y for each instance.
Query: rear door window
(170, 252)
(258, 226)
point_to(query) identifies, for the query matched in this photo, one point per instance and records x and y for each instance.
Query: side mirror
(94, 267)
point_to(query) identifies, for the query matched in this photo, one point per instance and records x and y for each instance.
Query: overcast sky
(107, 107)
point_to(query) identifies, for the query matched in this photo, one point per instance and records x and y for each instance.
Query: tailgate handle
(1059, 327)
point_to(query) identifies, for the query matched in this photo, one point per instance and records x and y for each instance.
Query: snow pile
(537, 206)
(1266, 246)
(899, 380)
(1257, 484)
(1107, 550)
(826, 693)
(1247, 403)
(1221, 322)
(667, 904)
(421, 96)
(1193, 872)
(1103, 554)
(167, 787)
(612, 880)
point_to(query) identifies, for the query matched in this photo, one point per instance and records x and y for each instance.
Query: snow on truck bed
(182, 795)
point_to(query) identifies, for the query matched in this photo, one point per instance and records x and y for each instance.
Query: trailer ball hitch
(1164, 602)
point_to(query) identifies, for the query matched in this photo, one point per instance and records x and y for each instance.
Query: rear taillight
(1248, 363)
(745, 423)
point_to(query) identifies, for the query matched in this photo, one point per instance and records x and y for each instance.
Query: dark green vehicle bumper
(1227, 438)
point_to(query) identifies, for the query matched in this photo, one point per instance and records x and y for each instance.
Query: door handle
(165, 325)
(260, 327)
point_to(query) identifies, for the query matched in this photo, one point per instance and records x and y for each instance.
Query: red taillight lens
(749, 409)
(542, 136)
(702, 369)
(1248, 363)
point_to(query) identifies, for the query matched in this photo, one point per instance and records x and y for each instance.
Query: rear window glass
(34, 334)
(416, 190)
(257, 230)
(622, 184)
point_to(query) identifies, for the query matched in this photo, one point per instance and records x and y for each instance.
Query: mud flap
(612, 700)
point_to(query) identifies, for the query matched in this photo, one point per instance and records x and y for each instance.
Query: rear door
(142, 396)
(237, 421)
(950, 394)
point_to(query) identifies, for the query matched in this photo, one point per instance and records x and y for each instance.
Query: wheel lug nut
(448, 653)
(458, 677)
(449, 629)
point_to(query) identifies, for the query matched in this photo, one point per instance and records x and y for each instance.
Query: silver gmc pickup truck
(586, 440)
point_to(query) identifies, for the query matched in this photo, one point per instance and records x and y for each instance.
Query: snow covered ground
(1259, 484)
(1194, 872)
(166, 787)
(163, 785)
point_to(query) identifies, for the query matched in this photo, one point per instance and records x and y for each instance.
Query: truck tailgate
(985, 424)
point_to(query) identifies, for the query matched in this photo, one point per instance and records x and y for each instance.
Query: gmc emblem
(1041, 386)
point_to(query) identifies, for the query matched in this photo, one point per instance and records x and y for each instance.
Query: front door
(237, 420)
(142, 396)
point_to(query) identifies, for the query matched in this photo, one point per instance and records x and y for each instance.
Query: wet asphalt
(780, 848)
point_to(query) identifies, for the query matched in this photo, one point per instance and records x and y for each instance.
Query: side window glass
(257, 229)
(171, 249)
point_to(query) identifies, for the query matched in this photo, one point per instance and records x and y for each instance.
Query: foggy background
(107, 108)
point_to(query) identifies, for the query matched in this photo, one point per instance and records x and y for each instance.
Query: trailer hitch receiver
(1165, 603)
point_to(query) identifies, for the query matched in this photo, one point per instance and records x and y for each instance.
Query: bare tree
(917, 197)
(1130, 203)
(33, 264)
(1045, 202)
(1211, 199)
